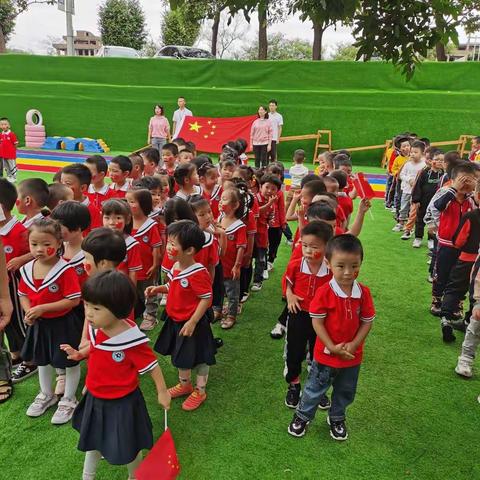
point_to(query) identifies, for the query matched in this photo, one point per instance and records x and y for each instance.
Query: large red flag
(161, 463)
(209, 134)
(363, 188)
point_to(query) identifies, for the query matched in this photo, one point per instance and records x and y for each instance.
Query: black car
(187, 53)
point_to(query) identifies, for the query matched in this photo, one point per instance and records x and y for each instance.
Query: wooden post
(463, 145)
(388, 144)
(317, 143)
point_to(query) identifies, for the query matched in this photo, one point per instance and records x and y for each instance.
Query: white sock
(45, 375)
(134, 465)
(92, 458)
(72, 379)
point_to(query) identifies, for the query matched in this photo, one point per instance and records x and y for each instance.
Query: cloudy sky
(37, 27)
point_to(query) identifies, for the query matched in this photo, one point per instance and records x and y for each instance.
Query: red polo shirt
(78, 264)
(8, 145)
(208, 255)
(149, 238)
(132, 261)
(15, 239)
(342, 317)
(261, 239)
(97, 197)
(236, 235)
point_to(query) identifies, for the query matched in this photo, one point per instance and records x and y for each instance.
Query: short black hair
(72, 215)
(111, 289)
(187, 233)
(148, 183)
(321, 211)
(152, 155)
(204, 168)
(467, 168)
(177, 209)
(273, 101)
(191, 146)
(299, 154)
(178, 141)
(123, 162)
(323, 231)
(341, 159)
(99, 162)
(269, 178)
(341, 177)
(8, 194)
(144, 199)
(35, 188)
(182, 172)
(198, 201)
(309, 178)
(227, 164)
(315, 187)
(201, 161)
(80, 171)
(344, 243)
(171, 147)
(57, 192)
(419, 144)
(105, 244)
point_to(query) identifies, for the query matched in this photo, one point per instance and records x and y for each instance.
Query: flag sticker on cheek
(51, 251)
(119, 225)
(317, 255)
(173, 252)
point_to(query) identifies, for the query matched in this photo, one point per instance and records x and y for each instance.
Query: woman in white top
(158, 129)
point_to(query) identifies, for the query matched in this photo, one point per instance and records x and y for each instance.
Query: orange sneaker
(180, 390)
(194, 400)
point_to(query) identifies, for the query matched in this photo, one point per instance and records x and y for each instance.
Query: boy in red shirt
(303, 277)
(98, 191)
(342, 313)
(8, 151)
(119, 169)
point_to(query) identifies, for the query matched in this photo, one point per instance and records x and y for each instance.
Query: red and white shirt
(8, 145)
(27, 222)
(61, 282)
(15, 239)
(120, 192)
(236, 235)
(303, 282)
(148, 238)
(114, 363)
(185, 290)
(132, 261)
(261, 239)
(214, 199)
(95, 216)
(97, 197)
(278, 213)
(346, 203)
(208, 255)
(78, 264)
(342, 316)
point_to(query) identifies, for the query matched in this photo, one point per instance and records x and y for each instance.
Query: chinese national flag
(209, 134)
(161, 463)
(363, 188)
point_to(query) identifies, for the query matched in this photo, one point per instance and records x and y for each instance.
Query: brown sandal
(6, 390)
(228, 323)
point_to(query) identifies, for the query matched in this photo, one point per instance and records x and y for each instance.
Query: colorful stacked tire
(34, 129)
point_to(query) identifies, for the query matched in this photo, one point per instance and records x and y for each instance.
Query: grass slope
(412, 418)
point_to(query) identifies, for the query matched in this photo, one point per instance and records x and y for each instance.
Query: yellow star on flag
(195, 127)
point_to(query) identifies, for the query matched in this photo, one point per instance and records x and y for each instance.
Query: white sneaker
(64, 412)
(163, 301)
(417, 243)
(149, 322)
(406, 235)
(256, 287)
(265, 275)
(244, 298)
(397, 228)
(269, 266)
(278, 331)
(41, 404)
(430, 279)
(431, 244)
(464, 367)
(11, 179)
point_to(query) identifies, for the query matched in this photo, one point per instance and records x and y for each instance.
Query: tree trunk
(318, 30)
(440, 52)
(215, 27)
(262, 31)
(3, 45)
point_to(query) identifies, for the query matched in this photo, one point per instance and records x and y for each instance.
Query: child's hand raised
(164, 399)
(364, 205)
(72, 353)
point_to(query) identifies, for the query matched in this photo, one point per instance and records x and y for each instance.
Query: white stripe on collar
(124, 188)
(237, 224)
(102, 191)
(146, 226)
(8, 227)
(77, 259)
(208, 239)
(356, 290)
(130, 242)
(55, 272)
(128, 339)
(86, 201)
(216, 192)
(322, 271)
(196, 267)
(27, 223)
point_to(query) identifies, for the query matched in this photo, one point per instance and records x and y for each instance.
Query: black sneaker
(436, 309)
(23, 371)
(297, 427)
(447, 334)
(293, 395)
(338, 430)
(218, 342)
(324, 403)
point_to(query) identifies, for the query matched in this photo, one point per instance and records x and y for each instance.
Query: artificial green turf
(362, 103)
(412, 418)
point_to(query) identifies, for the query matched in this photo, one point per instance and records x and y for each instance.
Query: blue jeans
(344, 381)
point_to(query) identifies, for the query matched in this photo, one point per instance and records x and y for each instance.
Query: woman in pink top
(158, 129)
(261, 137)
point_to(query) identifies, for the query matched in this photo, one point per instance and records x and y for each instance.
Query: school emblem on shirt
(118, 356)
(53, 288)
(79, 270)
(231, 237)
(184, 282)
(8, 249)
(145, 239)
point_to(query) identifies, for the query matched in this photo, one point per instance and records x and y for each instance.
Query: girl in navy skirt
(186, 335)
(49, 292)
(112, 417)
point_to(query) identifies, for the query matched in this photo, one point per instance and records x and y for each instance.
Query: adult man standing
(179, 115)
(277, 123)
(5, 313)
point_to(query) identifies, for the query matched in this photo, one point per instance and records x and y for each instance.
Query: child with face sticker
(211, 190)
(49, 291)
(186, 334)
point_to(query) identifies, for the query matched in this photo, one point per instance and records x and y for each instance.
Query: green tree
(9, 11)
(122, 23)
(179, 28)
(279, 48)
(345, 52)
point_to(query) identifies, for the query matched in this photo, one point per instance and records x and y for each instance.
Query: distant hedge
(362, 103)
